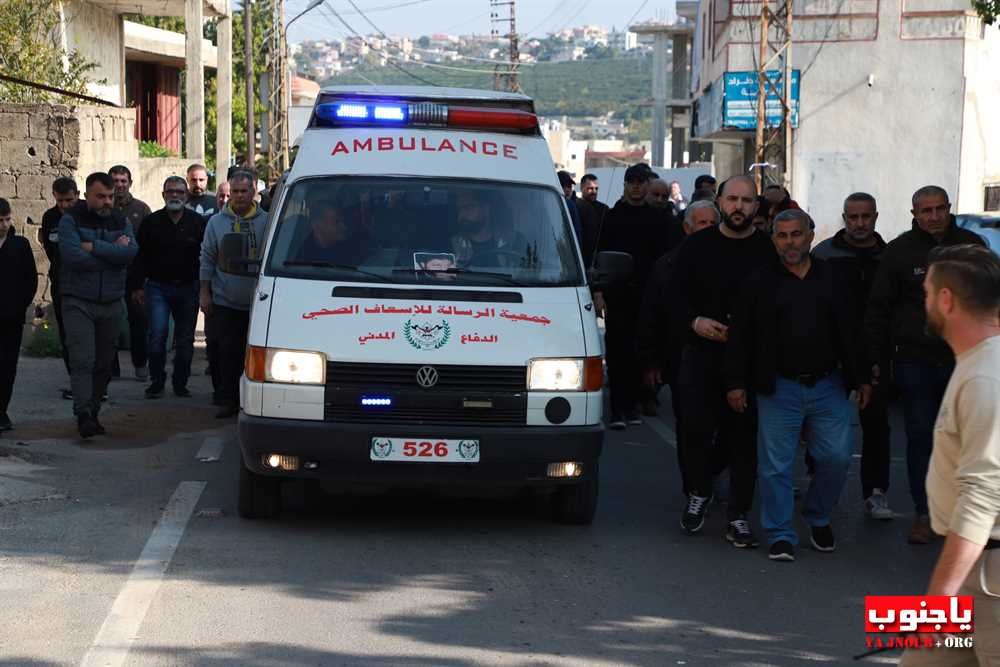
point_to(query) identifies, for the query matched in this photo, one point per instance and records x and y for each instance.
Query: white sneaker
(877, 506)
(141, 373)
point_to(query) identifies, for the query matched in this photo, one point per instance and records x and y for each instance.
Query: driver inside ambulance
(334, 238)
(480, 241)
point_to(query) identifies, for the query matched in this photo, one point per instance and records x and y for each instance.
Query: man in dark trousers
(794, 342)
(634, 228)
(710, 268)
(134, 211)
(95, 248)
(164, 280)
(66, 194)
(19, 277)
(896, 321)
(855, 252)
(592, 213)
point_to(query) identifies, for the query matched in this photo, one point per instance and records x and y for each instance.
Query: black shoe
(227, 411)
(782, 550)
(67, 394)
(617, 422)
(86, 425)
(182, 392)
(105, 397)
(5, 424)
(155, 390)
(822, 538)
(634, 418)
(694, 513)
(739, 534)
(99, 427)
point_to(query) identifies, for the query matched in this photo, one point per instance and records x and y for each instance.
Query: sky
(424, 17)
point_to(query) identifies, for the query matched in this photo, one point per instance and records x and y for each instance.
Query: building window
(991, 198)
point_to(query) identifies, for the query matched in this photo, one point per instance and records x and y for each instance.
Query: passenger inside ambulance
(336, 237)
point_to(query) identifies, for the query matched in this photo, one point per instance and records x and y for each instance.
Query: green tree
(30, 49)
(988, 9)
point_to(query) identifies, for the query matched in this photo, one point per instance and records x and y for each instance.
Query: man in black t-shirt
(66, 194)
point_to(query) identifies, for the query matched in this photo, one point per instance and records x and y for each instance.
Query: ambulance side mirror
(234, 251)
(610, 269)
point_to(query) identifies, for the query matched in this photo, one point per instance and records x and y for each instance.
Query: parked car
(986, 225)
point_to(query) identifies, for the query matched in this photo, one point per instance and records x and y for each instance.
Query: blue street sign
(739, 108)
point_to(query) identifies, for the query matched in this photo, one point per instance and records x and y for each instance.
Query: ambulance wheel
(576, 503)
(259, 496)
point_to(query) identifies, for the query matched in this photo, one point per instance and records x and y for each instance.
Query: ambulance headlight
(295, 367)
(555, 375)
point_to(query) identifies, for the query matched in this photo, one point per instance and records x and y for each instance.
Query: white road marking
(662, 430)
(210, 450)
(120, 628)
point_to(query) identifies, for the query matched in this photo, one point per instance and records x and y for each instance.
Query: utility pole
(277, 67)
(506, 80)
(761, 148)
(248, 75)
(774, 145)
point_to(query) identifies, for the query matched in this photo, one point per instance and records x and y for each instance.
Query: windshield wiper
(506, 277)
(335, 265)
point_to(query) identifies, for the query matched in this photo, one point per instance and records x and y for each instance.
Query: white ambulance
(422, 315)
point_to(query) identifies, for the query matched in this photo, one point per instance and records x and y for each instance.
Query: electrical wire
(641, 7)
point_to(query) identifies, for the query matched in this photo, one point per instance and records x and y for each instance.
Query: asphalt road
(129, 551)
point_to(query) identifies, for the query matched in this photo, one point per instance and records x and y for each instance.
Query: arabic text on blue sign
(740, 102)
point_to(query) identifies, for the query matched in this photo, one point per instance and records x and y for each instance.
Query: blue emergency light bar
(365, 113)
(376, 401)
(377, 113)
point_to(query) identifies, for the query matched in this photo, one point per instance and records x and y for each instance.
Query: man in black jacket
(135, 211)
(855, 252)
(592, 215)
(164, 280)
(794, 343)
(66, 194)
(895, 321)
(19, 278)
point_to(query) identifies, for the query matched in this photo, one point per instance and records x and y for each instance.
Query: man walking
(592, 214)
(854, 252)
(895, 322)
(224, 297)
(200, 200)
(66, 195)
(95, 247)
(710, 268)
(19, 278)
(165, 282)
(962, 306)
(567, 183)
(134, 211)
(794, 342)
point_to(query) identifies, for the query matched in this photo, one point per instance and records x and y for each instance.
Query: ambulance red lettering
(467, 146)
(510, 151)
(365, 145)
(446, 146)
(490, 148)
(340, 148)
(404, 147)
(424, 146)
(385, 143)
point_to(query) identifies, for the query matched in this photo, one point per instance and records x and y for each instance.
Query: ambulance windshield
(424, 231)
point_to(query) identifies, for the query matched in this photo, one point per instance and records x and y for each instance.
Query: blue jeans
(163, 301)
(922, 388)
(830, 419)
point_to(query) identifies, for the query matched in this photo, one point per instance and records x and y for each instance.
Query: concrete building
(894, 95)
(567, 153)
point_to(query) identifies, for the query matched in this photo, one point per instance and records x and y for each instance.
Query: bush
(44, 342)
(153, 149)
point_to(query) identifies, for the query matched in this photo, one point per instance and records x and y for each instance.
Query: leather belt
(809, 379)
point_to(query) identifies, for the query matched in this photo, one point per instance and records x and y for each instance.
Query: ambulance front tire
(576, 504)
(259, 496)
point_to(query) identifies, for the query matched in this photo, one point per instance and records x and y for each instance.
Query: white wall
(98, 35)
(981, 126)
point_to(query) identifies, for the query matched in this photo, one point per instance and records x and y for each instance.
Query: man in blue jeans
(794, 343)
(896, 327)
(164, 280)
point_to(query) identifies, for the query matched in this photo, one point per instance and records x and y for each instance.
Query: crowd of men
(771, 347)
(112, 259)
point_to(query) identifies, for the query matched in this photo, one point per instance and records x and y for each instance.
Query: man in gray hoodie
(95, 249)
(224, 297)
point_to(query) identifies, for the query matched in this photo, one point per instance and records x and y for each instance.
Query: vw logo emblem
(427, 376)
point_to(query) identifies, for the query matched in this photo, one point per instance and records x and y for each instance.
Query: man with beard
(962, 305)
(710, 268)
(592, 214)
(479, 242)
(633, 227)
(199, 199)
(164, 281)
(134, 211)
(66, 194)
(793, 341)
(855, 252)
(895, 322)
(95, 248)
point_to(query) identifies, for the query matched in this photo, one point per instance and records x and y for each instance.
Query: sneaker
(155, 390)
(5, 423)
(141, 373)
(227, 411)
(739, 534)
(67, 394)
(99, 427)
(694, 513)
(877, 506)
(105, 397)
(822, 538)
(782, 550)
(920, 531)
(649, 408)
(617, 422)
(634, 418)
(86, 425)
(182, 392)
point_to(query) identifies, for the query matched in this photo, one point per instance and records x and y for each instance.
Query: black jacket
(592, 216)
(895, 319)
(751, 358)
(168, 252)
(657, 343)
(48, 236)
(19, 277)
(642, 232)
(855, 267)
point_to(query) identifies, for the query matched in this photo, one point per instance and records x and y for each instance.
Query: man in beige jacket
(962, 289)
